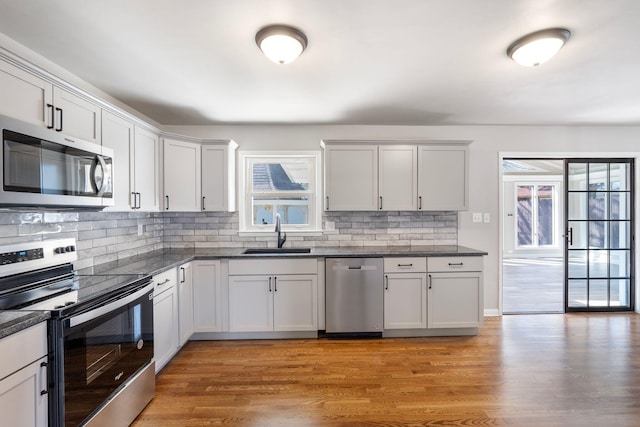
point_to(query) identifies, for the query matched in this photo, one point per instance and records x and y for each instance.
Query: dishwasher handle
(356, 268)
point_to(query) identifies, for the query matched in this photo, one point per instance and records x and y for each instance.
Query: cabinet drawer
(22, 348)
(452, 264)
(405, 265)
(274, 266)
(164, 280)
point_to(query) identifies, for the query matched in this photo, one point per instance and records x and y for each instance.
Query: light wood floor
(538, 370)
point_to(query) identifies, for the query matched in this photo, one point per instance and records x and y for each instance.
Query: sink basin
(256, 251)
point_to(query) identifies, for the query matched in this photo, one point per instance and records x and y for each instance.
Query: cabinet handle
(275, 284)
(137, 200)
(405, 265)
(203, 208)
(419, 203)
(380, 205)
(165, 281)
(44, 365)
(456, 264)
(269, 284)
(327, 202)
(429, 281)
(133, 201)
(183, 275)
(386, 285)
(51, 116)
(167, 208)
(59, 129)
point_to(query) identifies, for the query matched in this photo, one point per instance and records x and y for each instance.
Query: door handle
(570, 236)
(203, 208)
(386, 285)
(183, 275)
(327, 202)
(98, 177)
(269, 283)
(167, 208)
(59, 129)
(275, 284)
(43, 366)
(429, 281)
(51, 116)
(419, 203)
(380, 205)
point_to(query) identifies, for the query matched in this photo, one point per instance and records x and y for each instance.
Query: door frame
(559, 156)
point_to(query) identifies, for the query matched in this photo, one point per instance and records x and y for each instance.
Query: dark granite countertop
(12, 321)
(158, 261)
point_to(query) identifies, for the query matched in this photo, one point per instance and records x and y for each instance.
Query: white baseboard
(491, 312)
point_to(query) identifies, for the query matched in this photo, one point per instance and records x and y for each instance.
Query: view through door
(532, 259)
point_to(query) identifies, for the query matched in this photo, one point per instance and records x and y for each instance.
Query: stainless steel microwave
(41, 167)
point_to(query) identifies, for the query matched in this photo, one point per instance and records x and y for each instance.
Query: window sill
(301, 233)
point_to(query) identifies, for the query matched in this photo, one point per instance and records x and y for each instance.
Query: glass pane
(598, 293)
(598, 180)
(598, 234)
(619, 264)
(577, 293)
(597, 205)
(280, 176)
(620, 176)
(577, 206)
(598, 264)
(577, 176)
(619, 205)
(525, 215)
(578, 231)
(619, 292)
(293, 210)
(577, 264)
(545, 214)
(619, 236)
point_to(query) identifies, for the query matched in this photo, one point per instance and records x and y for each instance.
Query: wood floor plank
(536, 370)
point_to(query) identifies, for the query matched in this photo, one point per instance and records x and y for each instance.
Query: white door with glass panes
(284, 185)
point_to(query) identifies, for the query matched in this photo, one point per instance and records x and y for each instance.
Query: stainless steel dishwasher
(354, 297)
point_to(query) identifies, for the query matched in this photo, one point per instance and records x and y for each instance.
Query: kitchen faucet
(282, 239)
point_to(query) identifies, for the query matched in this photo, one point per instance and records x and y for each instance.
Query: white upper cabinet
(218, 176)
(351, 177)
(443, 183)
(117, 134)
(75, 116)
(24, 96)
(144, 195)
(181, 176)
(398, 178)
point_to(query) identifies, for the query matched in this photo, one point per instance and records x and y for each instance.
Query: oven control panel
(29, 256)
(20, 256)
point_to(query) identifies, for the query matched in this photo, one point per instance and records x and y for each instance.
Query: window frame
(245, 211)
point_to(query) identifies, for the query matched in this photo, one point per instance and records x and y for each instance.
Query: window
(279, 183)
(536, 215)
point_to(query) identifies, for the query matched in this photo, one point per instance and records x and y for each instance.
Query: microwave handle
(99, 183)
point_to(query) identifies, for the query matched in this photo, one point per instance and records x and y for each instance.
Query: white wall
(489, 142)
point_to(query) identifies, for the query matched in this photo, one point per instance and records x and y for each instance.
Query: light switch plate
(476, 217)
(487, 217)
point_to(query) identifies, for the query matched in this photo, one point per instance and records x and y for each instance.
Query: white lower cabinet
(185, 300)
(405, 293)
(276, 301)
(207, 307)
(165, 318)
(455, 292)
(23, 378)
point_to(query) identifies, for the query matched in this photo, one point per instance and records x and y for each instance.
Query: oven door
(103, 348)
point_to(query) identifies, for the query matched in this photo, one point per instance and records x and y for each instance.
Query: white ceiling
(400, 62)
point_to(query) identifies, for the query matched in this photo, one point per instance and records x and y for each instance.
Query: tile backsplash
(108, 236)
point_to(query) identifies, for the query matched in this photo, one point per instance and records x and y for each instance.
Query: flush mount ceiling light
(537, 48)
(281, 43)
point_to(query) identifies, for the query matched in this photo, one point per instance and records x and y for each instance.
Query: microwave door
(22, 166)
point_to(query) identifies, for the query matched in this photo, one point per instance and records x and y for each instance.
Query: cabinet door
(21, 400)
(295, 306)
(165, 327)
(207, 314)
(351, 177)
(398, 178)
(181, 176)
(218, 178)
(76, 117)
(145, 176)
(443, 178)
(250, 303)
(25, 96)
(117, 134)
(185, 298)
(455, 300)
(405, 301)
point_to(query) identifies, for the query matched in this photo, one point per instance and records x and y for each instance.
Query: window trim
(315, 191)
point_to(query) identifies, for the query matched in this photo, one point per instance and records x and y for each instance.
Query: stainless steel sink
(256, 251)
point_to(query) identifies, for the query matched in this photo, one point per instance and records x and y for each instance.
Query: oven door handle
(104, 309)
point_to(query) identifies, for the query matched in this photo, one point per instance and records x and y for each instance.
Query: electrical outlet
(476, 217)
(487, 217)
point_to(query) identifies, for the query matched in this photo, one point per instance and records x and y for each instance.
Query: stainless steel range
(100, 333)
